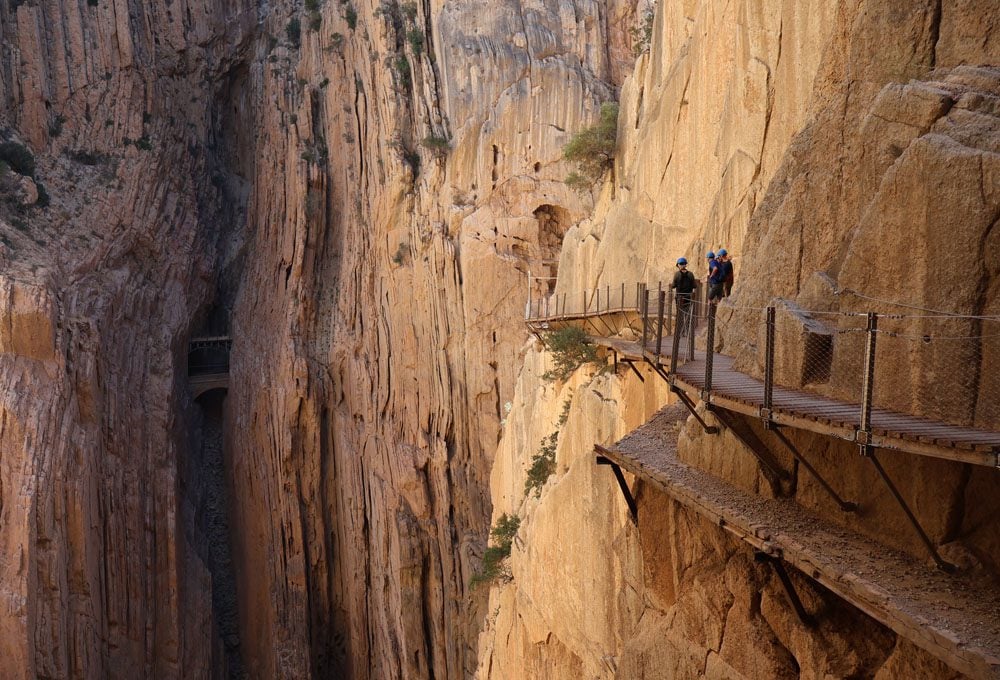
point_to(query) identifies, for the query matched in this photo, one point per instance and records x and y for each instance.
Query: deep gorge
(355, 192)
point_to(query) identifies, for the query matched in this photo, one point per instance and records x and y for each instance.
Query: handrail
(820, 352)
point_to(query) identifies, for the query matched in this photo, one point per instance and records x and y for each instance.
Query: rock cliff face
(356, 191)
(813, 144)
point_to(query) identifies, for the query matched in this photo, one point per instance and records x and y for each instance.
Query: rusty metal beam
(623, 485)
(931, 548)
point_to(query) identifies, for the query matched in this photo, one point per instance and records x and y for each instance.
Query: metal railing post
(692, 306)
(675, 350)
(598, 296)
(709, 354)
(765, 412)
(644, 311)
(564, 304)
(864, 435)
(669, 319)
(659, 324)
(623, 296)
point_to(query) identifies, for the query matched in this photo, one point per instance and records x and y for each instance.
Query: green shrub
(492, 567)
(401, 65)
(351, 17)
(143, 143)
(578, 182)
(642, 35)
(505, 529)
(437, 144)
(18, 157)
(312, 5)
(293, 31)
(416, 38)
(570, 350)
(592, 149)
(564, 414)
(543, 464)
(56, 126)
(315, 21)
(409, 10)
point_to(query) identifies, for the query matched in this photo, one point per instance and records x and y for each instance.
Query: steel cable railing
(868, 366)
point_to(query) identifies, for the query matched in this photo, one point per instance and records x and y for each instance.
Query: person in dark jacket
(684, 285)
(715, 287)
(728, 272)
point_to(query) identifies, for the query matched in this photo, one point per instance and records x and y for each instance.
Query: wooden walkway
(956, 618)
(744, 394)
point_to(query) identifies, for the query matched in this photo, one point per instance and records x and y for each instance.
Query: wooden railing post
(598, 296)
(623, 296)
(765, 412)
(709, 354)
(659, 323)
(864, 435)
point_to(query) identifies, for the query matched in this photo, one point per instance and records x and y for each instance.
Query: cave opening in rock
(553, 222)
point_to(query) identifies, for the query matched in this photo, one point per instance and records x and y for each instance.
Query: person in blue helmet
(684, 285)
(715, 279)
(728, 273)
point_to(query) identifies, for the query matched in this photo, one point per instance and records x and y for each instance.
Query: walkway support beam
(931, 548)
(633, 509)
(805, 617)
(846, 506)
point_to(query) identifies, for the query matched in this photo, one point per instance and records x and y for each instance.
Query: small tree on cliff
(493, 567)
(593, 149)
(570, 350)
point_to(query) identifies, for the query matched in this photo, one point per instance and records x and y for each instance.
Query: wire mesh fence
(866, 366)
(940, 368)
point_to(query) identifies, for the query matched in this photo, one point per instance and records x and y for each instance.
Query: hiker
(726, 265)
(715, 287)
(684, 284)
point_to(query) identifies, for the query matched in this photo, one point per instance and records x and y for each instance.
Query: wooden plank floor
(743, 393)
(955, 617)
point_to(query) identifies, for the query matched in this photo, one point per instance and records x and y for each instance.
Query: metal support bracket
(943, 565)
(623, 485)
(846, 506)
(769, 465)
(631, 364)
(805, 617)
(686, 400)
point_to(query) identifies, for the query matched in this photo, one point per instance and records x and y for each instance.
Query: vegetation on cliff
(592, 149)
(570, 350)
(493, 567)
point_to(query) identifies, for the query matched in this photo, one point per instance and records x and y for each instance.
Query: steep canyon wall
(363, 187)
(836, 147)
